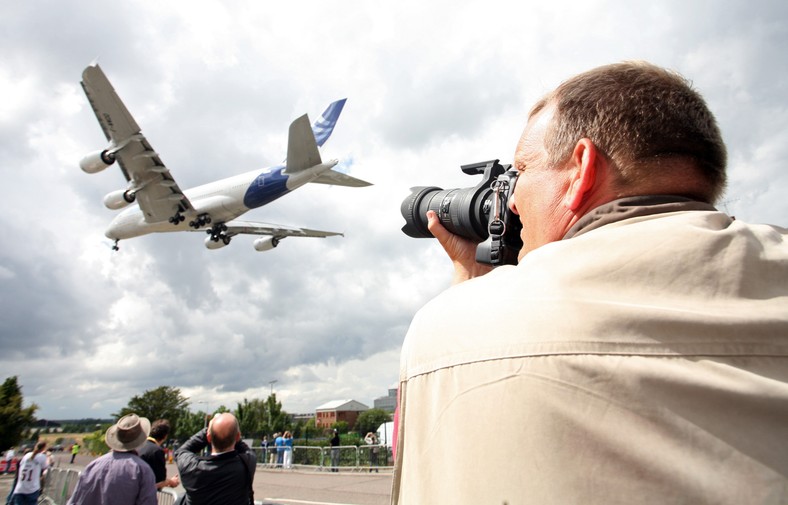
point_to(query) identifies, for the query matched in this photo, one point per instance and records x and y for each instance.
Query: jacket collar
(634, 206)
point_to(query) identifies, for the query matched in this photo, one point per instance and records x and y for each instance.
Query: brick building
(338, 410)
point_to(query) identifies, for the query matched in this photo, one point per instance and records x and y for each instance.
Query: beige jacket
(645, 361)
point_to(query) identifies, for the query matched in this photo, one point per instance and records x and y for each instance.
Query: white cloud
(214, 85)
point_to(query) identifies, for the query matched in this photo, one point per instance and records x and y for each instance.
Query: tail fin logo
(324, 127)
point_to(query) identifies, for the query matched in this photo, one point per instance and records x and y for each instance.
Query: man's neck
(214, 452)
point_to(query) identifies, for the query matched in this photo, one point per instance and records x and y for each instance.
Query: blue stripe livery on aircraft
(152, 201)
(266, 188)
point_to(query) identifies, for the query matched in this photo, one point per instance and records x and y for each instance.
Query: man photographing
(637, 353)
(225, 476)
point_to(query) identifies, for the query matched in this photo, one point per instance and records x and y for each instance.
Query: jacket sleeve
(186, 457)
(196, 443)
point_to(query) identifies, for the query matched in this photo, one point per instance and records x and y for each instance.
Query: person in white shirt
(28, 483)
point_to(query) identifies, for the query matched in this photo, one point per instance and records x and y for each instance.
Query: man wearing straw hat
(119, 477)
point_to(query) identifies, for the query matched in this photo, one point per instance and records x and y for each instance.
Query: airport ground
(283, 487)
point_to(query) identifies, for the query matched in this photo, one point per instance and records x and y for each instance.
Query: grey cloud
(324, 317)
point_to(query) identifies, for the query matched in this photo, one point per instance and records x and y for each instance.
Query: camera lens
(463, 212)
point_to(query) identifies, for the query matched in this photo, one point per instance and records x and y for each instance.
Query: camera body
(480, 214)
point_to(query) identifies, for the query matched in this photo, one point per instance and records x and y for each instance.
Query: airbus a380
(155, 203)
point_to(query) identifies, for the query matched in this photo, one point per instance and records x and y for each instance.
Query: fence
(166, 496)
(60, 482)
(346, 458)
(58, 486)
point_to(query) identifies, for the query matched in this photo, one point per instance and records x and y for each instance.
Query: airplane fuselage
(222, 200)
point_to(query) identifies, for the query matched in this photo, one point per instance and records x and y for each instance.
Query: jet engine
(210, 243)
(97, 161)
(265, 244)
(119, 199)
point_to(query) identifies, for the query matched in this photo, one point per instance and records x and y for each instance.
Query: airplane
(154, 203)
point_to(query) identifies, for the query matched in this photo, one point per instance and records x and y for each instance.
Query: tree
(341, 427)
(13, 418)
(164, 402)
(95, 442)
(370, 420)
(310, 429)
(189, 424)
(277, 418)
(251, 417)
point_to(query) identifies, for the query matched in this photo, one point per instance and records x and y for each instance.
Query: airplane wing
(275, 230)
(156, 191)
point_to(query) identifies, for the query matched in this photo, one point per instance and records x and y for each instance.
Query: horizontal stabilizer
(340, 179)
(275, 230)
(302, 150)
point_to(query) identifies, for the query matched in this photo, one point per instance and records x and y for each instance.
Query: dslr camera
(480, 213)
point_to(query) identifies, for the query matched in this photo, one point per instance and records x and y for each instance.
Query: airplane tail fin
(324, 127)
(303, 143)
(302, 150)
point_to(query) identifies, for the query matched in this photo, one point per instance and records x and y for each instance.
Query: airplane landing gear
(201, 221)
(177, 219)
(217, 233)
(115, 245)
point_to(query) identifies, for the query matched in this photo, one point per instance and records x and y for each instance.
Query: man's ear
(583, 165)
(209, 434)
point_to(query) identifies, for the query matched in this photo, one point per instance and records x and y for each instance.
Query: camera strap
(496, 227)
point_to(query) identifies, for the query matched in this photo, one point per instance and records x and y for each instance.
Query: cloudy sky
(214, 86)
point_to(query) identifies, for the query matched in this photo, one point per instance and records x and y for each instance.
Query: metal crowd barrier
(60, 483)
(166, 496)
(348, 458)
(58, 486)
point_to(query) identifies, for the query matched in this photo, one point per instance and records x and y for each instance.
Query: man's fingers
(461, 251)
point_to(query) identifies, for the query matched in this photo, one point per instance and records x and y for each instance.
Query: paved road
(286, 487)
(272, 486)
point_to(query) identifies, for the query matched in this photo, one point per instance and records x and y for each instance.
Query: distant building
(46, 426)
(301, 417)
(387, 403)
(338, 410)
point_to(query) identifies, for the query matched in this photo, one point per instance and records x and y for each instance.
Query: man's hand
(171, 482)
(461, 251)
